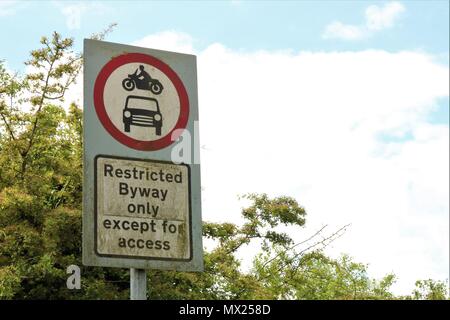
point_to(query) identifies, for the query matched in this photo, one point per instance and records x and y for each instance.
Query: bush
(17, 206)
(62, 231)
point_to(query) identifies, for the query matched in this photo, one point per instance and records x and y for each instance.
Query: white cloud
(342, 31)
(381, 18)
(307, 125)
(376, 19)
(73, 14)
(236, 3)
(168, 40)
(74, 11)
(8, 8)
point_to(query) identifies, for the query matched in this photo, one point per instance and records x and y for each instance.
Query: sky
(343, 105)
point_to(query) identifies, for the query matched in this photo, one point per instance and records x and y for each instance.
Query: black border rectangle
(96, 213)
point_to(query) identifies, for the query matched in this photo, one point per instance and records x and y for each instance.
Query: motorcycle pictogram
(142, 81)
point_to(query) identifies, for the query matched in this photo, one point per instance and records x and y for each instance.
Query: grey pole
(138, 284)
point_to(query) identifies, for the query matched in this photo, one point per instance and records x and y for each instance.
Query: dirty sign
(140, 209)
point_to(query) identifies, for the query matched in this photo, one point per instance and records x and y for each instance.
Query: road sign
(150, 96)
(140, 209)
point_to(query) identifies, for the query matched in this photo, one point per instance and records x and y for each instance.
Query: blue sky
(245, 25)
(363, 131)
(240, 25)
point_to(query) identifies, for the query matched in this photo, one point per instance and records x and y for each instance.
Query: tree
(314, 276)
(41, 180)
(430, 290)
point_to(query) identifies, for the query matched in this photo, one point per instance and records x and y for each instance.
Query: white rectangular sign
(141, 208)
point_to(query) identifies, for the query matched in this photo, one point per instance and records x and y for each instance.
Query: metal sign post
(141, 208)
(138, 284)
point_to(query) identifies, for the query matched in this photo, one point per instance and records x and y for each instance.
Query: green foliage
(431, 290)
(20, 242)
(17, 206)
(59, 229)
(314, 276)
(222, 278)
(41, 182)
(9, 282)
(40, 214)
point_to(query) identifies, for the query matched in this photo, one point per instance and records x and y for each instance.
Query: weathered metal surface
(101, 194)
(138, 284)
(142, 209)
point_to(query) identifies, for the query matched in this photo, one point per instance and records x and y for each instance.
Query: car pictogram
(143, 112)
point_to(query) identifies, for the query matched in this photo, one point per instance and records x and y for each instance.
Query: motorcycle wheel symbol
(128, 84)
(156, 87)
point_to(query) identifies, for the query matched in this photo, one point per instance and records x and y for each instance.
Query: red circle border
(99, 104)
